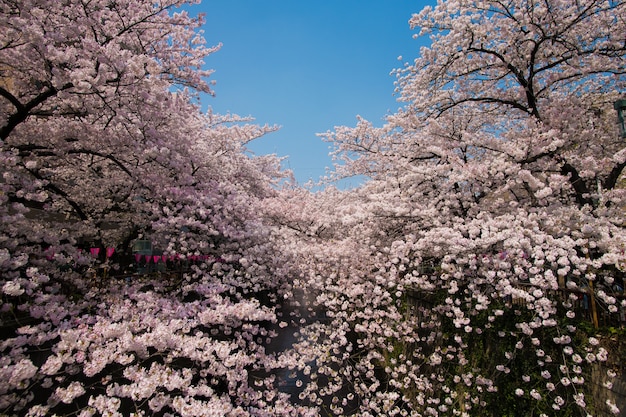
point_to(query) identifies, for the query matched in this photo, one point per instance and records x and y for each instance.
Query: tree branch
(53, 188)
(580, 188)
(611, 180)
(24, 110)
(102, 155)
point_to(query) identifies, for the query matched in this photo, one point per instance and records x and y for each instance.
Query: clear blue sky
(307, 66)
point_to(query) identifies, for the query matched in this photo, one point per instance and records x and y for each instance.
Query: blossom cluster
(128, 347)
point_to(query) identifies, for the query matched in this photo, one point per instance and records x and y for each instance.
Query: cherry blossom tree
(102, 144)
(492, 220)
(81, 85)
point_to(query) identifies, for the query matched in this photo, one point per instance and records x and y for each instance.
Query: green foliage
(503, 350)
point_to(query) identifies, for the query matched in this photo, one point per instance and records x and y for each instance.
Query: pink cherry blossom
(489, 217)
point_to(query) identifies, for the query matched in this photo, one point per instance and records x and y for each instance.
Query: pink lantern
(156, 258)
(95, 252)
(110, 252)
(164, 258)
(49, 254)
(137, 257)
(148, 257)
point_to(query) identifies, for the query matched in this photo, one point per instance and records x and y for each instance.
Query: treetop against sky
(307, 67)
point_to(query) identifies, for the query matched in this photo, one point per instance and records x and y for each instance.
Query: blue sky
(307, 66)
